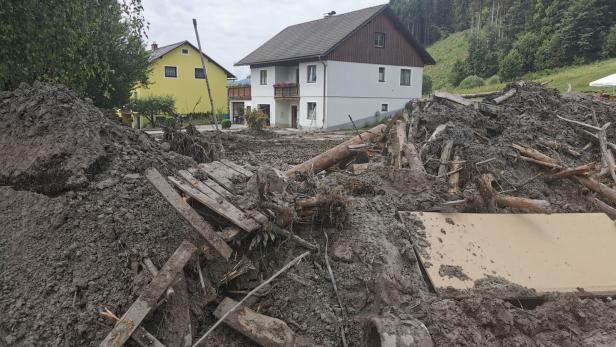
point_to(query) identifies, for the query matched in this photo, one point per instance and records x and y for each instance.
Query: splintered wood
(148, 299)
(556, 252)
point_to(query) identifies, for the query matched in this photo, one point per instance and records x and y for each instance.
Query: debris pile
(110, 236)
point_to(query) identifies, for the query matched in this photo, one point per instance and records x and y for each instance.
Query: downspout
(324, 84)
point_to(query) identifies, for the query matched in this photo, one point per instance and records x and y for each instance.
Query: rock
(343, 252)
(391, 331)
(109, 182)
(165, 146)
(132, 176)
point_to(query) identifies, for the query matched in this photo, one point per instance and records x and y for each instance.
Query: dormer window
(184, 51)
(379, 40)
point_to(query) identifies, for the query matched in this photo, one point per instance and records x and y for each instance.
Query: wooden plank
(201, 225)
(241, 203)
(547, 252)
(131, 320)
(237, 167)
(230, 233)
(219, 205)
(219, 173)
(452, 97)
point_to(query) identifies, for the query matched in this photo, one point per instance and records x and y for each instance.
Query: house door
(294, 116)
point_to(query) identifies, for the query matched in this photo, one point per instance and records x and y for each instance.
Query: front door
(294, 116)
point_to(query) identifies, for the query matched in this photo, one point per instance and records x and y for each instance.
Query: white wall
(311, 92)
(263, 94)
(354, 88)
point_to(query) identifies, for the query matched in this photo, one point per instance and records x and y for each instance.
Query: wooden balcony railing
(238, 92)
(286, 91)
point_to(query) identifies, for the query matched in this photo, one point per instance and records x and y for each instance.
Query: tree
(526, 45)
(609, 47)
(511, 66)
(458, 72)
(151, 106)
(93, 46)
(483, 52)
(426, 84)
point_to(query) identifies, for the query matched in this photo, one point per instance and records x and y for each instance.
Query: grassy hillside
(446, 52)
(577, 76)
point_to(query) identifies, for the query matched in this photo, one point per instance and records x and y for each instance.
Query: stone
(165, 146)
(343, 252)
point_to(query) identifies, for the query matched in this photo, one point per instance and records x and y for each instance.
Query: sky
(231, 29)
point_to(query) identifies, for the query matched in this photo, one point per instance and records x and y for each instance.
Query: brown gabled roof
(161, 51)
(319, 37)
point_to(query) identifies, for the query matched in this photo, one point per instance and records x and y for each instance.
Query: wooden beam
(201, 225)
(129, 322)
(218, 205)
(507, 95)
(452, 97)
(240, 169)
(445, 156)
(220, 173)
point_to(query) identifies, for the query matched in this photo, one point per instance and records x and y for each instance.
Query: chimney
(154, 46)
(329, 14)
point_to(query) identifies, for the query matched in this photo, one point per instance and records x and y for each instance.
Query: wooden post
(207, 81)
(454, 178)
(445, 156)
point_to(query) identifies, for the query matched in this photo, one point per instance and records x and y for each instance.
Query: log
(201, 225)
(452, 97)
(597, 187)
(606, 155)
(504, 97)
(262, 329)
(541, 206)
(416, 165)
(335, 154)
(582, 124)
(400, 141)
(454, 179)
(480, 95)
(445, 156)
(605, 208)
(595, 138)
(560, 146)
(580, 170)
(538, 162)
(533, 153)
(148, 299)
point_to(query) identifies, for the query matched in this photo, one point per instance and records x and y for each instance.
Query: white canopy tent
(608, 81)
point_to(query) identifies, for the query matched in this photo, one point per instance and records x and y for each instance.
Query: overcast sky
(230, 29)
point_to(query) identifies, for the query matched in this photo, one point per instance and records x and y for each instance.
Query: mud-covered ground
(78, 217)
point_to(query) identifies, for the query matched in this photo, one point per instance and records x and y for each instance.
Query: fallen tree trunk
(491, 197)
(606, 155)
(334, 155)
(507, 95)
(453, 98)
(605, 208)
(454, 178)
(445, 155)
(597, 187)
(262, 329)
(533, 153)
(400, 141)
(580, 170)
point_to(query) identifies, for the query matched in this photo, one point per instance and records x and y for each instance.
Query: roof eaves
(178, 44)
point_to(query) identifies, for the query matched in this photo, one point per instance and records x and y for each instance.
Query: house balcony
(286, 91)
(239, 92)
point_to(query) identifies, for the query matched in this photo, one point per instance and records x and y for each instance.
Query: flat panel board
(556, 252)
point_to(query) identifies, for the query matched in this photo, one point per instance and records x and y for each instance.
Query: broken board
(550, 253)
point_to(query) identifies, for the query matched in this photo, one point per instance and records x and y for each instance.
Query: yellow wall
(185, 88)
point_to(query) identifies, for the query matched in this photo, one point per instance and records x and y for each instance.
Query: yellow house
(176, 70)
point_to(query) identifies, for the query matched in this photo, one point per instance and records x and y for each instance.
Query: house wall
(311, 92)
(263, 94)
(360, 47)
(354, 89)
(189, 93)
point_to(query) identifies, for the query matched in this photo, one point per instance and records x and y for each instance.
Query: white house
(315, 74)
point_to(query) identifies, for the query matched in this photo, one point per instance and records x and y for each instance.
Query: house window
(384, 107)
(199, 73)
(312, 111)
(379, 40)
(311, 74)
(381, 74)
(171, 71)
(263, 77)
(184, 51)
(405, 77)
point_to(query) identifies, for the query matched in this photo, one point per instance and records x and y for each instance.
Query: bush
(458, 72)
(426, 84)
(493, 80)
(226, 124)
(511, 66)
(256, 119)
(471, 81)
(609, 47)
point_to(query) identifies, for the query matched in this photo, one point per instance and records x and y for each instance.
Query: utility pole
(207, 81)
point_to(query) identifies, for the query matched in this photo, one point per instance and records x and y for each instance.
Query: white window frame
(187, 51)
(410, 82)
(378, 44)
(263, 81)
(195, 73)
(314, 113)
(384, 74)
(311, 78)
(177, 71)
(386, 106)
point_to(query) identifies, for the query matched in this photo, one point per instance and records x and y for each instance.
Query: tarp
(608, 81)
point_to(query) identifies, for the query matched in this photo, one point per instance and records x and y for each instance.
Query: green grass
(578, 76)
(445, 52)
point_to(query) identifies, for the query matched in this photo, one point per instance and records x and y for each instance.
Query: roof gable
(162, 51)
(319, 37)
